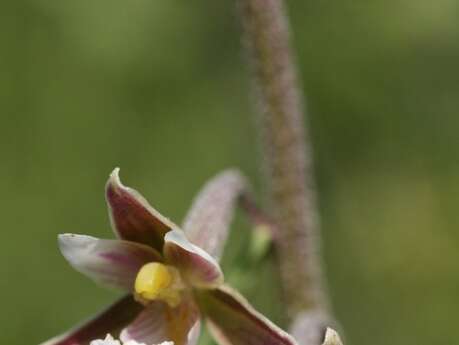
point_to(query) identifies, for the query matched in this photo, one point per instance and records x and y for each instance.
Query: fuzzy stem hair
(286, 152)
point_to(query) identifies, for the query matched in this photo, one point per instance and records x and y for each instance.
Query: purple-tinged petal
(113, 263)
(208, 220)
(112, 320)
(132, 217)
(159, 322)
(197, 267)
(233, 321)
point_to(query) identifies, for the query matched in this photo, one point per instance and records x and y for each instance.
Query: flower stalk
(287, 153)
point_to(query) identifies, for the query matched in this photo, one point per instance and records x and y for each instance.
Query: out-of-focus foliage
(159, 88)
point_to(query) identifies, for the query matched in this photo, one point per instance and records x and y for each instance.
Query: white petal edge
(109, 340)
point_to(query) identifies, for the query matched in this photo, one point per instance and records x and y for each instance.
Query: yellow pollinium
(156, 281)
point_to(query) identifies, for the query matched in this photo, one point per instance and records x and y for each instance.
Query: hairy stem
(287, 153)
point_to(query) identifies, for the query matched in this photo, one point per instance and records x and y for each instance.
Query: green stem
(287, 153)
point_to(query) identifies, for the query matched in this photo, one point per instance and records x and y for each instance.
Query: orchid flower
(171, 277)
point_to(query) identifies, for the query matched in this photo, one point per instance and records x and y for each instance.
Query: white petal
(107, 341)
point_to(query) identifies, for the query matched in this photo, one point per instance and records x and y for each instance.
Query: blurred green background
(159, 88)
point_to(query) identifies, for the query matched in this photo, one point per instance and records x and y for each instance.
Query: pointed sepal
(233, 321)
(112, 320)
(207, 222)
(132, 217)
